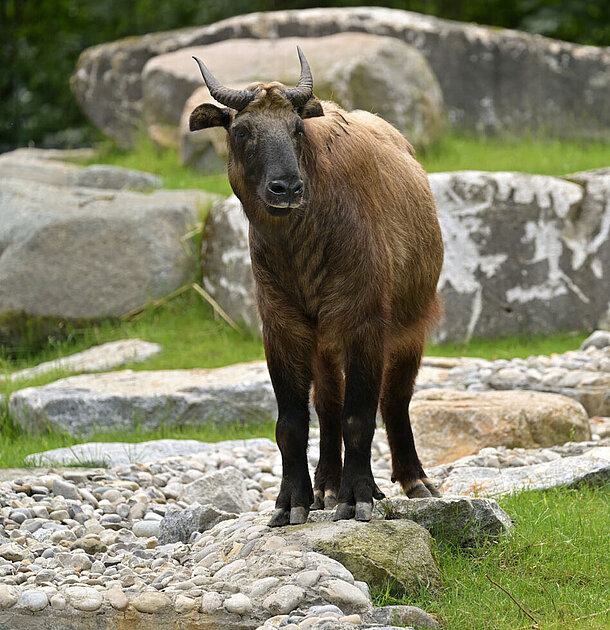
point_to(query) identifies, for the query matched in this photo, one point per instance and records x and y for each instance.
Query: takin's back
(360, 163)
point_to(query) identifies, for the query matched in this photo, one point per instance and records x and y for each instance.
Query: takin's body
(346, 288)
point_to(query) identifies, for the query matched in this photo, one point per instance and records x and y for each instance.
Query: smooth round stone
(307, 578)
(210, 602)
(65, 489)
(117, 598)
(284, 600)
(8, 596)
(12, 552)
(262, 586)
(146, 528)
(239, 604)
(184, 604)
(58, 602)
(150, 602)
(344, 594)
(34, 600)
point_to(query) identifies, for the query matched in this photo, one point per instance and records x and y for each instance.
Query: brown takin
(346, 253)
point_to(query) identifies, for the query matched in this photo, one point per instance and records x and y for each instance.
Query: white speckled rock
(8, 596)
(34, 600)
(151, 602)
(284, 600)
(345, 595)
(239, 604)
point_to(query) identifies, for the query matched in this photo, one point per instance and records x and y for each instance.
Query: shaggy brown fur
(346, 289)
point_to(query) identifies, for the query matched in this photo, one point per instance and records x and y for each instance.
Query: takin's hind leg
(328, 391)
(397, 389)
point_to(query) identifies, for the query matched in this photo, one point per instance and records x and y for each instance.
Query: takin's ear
(208, 115)
(312, 109)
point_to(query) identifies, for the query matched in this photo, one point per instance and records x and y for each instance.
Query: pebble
(84, 598)
(146, 528)
(239, 604)
(34, 600)
(149, 602)
(8, 596)
(345, 595)
(65, 489)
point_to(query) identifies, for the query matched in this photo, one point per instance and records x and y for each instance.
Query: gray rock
(225, 489)
(515, 81)
(349, 597)
(397, 553)
(30, 165)
(146, 528)
(597, 339)
(462, 521)
(65, 489)
(239, 604)
(485, 481)
(115, 453)
(520, 255)
(109, 251)
(403, 615)
(284, 600)
(8, 596)
(225, 262)
(356, 70)
(115, 400)
(96, 359)
(523, 253)
(34, 600)
(179, 525)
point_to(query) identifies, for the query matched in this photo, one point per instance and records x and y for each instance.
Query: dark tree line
(40, 41)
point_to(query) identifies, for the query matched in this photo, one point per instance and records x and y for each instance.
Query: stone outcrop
(523, 254)
(356, 70)
(116, 400)
(451, 423)
(71, 251)
(96, 359)
(491, 79)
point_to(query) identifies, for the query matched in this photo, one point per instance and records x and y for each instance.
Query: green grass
(556, 565)
(456, 152)
(453, 152)
(161, 161)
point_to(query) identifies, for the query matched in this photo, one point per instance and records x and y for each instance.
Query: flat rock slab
(567, 472)
(109, 454)
(103, 357)
(453, 423)
(116, 400)
(459, 520)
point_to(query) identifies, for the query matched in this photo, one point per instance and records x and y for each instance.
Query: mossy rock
(398, 555)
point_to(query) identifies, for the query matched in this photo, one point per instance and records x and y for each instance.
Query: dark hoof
(344, 511)
(330, 501)
(298, 515)
(318, 500)
(419, 491)
(431, 487)
(364, 511)
(280, 518)
(377, 494)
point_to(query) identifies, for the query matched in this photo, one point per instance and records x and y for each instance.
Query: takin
(346, 253)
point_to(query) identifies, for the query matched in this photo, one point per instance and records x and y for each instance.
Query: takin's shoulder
(358, 122)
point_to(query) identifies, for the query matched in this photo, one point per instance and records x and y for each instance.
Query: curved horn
(237, 99)
(303, 91)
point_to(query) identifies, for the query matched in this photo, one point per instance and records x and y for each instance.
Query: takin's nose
(285, 192)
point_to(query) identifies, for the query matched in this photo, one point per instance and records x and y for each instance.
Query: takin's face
(265, 134)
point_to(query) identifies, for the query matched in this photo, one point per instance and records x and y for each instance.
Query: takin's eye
(241, 133)
(299, 129)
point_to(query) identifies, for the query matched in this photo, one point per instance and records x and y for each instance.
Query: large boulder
(393, 553)
(84, 404)
(491, 79)
(356, 70)
(523, 254)
(72, 251)
(451, 424)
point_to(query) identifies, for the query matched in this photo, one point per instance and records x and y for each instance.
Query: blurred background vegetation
(42, 39)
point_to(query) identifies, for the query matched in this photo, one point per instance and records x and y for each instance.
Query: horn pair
(239, 99)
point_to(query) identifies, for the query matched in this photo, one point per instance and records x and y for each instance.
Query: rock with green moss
(462, 521)
(397, 554)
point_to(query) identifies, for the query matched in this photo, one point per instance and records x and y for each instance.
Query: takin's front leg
(328, 388)
(363, 371)
(290, 371)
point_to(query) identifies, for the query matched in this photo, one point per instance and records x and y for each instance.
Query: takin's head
(265, 133)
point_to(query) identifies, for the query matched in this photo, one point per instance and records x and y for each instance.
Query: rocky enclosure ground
(174, 532)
